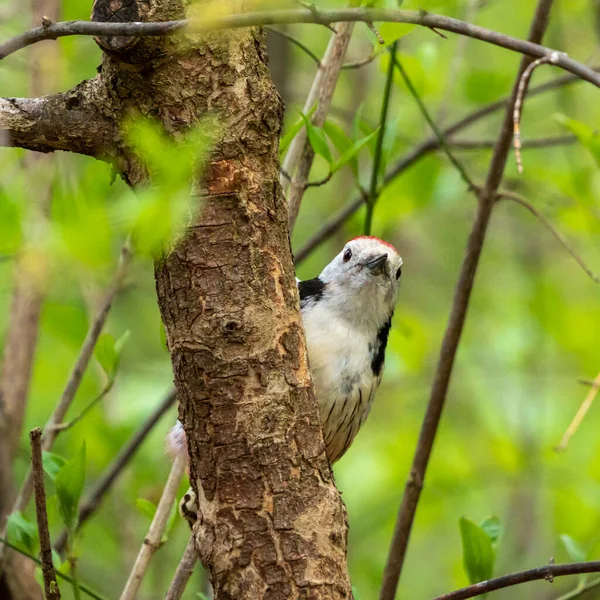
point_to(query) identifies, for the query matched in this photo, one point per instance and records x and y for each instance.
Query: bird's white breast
(340, 357)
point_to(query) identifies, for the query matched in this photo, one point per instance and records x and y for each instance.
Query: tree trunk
(272, 522)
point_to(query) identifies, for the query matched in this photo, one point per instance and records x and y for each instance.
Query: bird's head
(364, 278)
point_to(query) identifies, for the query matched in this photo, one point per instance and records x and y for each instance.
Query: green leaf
(22, 533)
(108, 352)
(478, 553)
(576, 553)
(287, 138)
(160, 210)
(317, 140)
(289, 135)
(350, 154)
(390, 32)
(492, 527)
(121, 342)
(52, 463)
(69, 486)
(574, 550)
(337, 135)
(146, 507)
(589, 138)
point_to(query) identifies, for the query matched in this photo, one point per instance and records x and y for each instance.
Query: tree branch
(322, 17)
(51, 589)
(544, 142)
(550, 226)
(423, 149)
(452, 336)
(547, 572)
(69, 121)
(184, 571)
(95, 497)
(157, 528)
(300, 157)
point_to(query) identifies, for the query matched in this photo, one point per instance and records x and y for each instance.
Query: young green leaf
(574, 550)
(146, 507)
(576, 553)
(22, 533)
(289, 135)
(337, 135)
(589, 138)
(52, 463)
(121, 342)
(317, 140)
(493, 528)
(478, 553)
(69, 486)
(106, 354)
(351, 153)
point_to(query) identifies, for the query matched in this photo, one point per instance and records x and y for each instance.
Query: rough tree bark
(272, 522)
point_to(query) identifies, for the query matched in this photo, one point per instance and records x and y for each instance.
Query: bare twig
(85, 354)
(523, 83)
(550, 226)
(300, 44)
(577, 420)
(184, 571)
(452, 336)
(544, 142)
(323, 89)
(320, 182)
(377, 156)
(547, 572)
(294, 40)
(51, 589)
(375, 32)
(96, 495)
(59, 427)
(157, 528)
(322, 17)
(436, 131)
(365, 61)
(423, 149)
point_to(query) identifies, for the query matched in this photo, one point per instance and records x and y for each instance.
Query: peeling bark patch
(222, 177)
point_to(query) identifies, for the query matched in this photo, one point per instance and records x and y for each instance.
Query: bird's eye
(398, 272)
(347, 255)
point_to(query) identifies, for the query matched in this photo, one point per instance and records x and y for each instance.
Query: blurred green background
(533, 327)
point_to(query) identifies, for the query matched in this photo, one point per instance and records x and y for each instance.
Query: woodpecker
(347, 314)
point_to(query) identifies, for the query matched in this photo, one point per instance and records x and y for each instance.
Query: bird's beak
(377, 265)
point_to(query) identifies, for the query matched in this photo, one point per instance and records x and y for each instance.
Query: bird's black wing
(310, 290)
